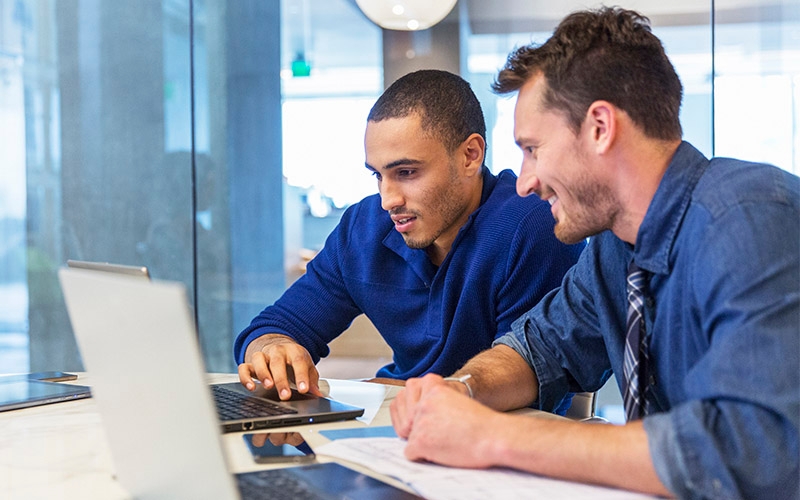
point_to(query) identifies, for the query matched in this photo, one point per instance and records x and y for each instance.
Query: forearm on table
(501, 379)
(610, 455)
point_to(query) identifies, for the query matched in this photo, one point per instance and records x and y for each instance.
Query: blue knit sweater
(502, 262)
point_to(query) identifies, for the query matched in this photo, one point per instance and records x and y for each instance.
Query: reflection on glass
(757, 86)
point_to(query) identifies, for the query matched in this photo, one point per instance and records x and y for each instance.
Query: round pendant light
(406, 15)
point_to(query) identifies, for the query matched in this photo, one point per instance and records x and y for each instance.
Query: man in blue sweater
(441, 261)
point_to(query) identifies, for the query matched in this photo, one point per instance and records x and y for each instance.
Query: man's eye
(376, 175)
(530, 151)
(404, 173)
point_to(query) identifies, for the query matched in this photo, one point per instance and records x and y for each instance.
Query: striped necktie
(635, 349)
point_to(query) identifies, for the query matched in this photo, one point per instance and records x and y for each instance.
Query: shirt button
(650, 302)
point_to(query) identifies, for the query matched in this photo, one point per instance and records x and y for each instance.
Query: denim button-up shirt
(721, 240)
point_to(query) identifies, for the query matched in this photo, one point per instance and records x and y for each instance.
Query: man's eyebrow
(397, 163)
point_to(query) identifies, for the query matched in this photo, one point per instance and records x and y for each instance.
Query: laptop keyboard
(275, 484)
(232, 405)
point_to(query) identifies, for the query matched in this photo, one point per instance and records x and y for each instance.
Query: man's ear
(473, 149)
(601, 121)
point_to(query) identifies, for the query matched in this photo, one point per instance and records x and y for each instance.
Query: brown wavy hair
(607, 54)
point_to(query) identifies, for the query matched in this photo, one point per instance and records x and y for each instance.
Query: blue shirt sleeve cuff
(672, 438)
(661, 441)
(552, 386)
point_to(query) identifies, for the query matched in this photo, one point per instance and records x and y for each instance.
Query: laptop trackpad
(273, 394)
(300, 402)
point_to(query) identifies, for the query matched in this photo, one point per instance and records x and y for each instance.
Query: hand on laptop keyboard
(276, 361)
(232, 405)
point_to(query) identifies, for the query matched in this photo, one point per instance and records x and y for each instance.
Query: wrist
(464, 379)
(264, 341)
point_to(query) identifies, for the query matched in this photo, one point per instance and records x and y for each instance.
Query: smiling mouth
(404, 220)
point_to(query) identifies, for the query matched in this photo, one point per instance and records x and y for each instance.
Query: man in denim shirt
(719, 243)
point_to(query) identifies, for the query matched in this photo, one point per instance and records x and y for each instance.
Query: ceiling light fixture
(406, 15)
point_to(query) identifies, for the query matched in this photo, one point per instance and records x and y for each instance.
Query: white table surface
(60, 451)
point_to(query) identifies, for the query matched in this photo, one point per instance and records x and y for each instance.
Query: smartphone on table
(278, 447)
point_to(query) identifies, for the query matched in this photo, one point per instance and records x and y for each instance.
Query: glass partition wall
(215, 141)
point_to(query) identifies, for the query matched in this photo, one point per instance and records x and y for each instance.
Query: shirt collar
(666, 212)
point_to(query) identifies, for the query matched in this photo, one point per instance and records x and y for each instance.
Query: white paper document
(385, 456)
(360, 394)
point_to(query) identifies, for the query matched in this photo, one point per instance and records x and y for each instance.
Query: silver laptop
(140, 271)
(90, 297)
(138, 344)
(156, 315)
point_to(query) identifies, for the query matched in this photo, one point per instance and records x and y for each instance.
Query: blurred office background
(217, 142)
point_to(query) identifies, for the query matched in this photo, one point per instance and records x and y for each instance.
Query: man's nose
(391, 196)
(527, 182)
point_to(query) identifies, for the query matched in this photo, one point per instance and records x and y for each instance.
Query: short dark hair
(606, 54)
(447, 107)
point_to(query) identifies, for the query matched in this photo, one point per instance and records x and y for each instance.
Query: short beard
(449, 205)
(597, 211)
(418, 244)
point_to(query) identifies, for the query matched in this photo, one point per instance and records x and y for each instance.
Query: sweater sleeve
(536, 264)
(317, 307)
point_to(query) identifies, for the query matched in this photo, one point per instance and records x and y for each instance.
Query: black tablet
(22, 393)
